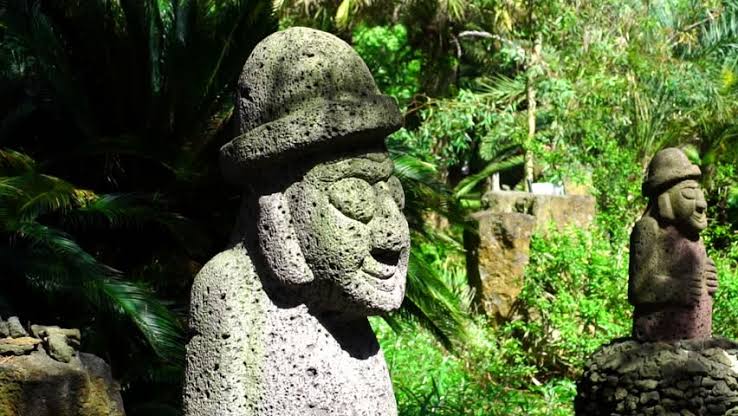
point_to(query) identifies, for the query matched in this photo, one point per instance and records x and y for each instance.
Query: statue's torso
(249, 356)
(683, 260)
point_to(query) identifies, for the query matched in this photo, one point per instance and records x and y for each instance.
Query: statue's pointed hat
(668, 167)
(303, 91)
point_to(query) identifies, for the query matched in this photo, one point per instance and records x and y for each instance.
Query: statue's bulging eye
(354, 197)
(689, 193)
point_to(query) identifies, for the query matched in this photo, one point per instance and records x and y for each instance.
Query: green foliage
(121, 107)
(479, 382)
(573, 301)
(47, 260)
(429, 297)
(393, 63)
(451, 130)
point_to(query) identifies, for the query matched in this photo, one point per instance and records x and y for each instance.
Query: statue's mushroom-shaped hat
(303, 91)
(668, 167)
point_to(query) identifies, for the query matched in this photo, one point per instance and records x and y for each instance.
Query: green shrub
(573, 301)
(395, 65)
(488, 379)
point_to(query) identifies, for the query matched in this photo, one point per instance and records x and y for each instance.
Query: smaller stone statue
(672, 365)
(672, 281)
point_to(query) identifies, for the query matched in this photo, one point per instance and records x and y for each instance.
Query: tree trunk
(533, 60)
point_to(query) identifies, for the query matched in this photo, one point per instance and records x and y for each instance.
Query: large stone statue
(672, 281)
(278, 320)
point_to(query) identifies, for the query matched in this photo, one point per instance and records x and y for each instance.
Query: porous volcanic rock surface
(690, 377)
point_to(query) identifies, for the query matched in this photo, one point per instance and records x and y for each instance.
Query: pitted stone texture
(279, 319)
(61, 343)
(253, 354)
(304, 91)
(37, 385)
(691, 377)
(671, 280)
(498, 253)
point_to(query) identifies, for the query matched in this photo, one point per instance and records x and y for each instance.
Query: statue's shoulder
(234, 261)
(645, 226)
(230, 271)
(225, 282)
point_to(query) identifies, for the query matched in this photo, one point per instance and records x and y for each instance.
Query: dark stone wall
(691, 377)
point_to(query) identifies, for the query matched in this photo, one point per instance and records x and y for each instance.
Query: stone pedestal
(497, 258)
(38, 385)
(691, 377)
(561, 210)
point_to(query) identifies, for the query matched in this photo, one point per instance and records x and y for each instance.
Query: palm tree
(122, 106)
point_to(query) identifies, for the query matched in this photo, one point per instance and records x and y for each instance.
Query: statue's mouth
(699, 217)
(381, 264)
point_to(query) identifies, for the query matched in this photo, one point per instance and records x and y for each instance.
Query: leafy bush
(488, 379)
(573, 301)
(393, 63)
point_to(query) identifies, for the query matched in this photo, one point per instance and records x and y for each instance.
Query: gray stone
(15, 328)
(303, 91)
(497, 254)
(37, 385)
(279, 318)
(672, 281)
(561, 211)
(4, 329)
(18, 346)
(61, 343)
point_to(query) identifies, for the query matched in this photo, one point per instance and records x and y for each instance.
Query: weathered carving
(672, 281)
(278, 319)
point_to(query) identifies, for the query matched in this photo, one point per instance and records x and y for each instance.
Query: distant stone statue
(672, 281)
(278, 320)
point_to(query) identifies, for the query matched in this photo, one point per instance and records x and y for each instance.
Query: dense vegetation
(111, 114)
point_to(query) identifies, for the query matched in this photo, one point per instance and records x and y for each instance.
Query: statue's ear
(665, 210)
(278, 242)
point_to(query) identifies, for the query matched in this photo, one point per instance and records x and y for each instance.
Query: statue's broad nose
(389, 227)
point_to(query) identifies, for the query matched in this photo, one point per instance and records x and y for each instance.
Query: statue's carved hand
(710, 277)
(694, 290)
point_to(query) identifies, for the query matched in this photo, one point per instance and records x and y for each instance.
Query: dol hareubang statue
(278, 320)
(672, 364)
(672, 281)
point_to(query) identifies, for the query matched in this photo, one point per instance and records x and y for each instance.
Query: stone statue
(278, 320)
(672, 281)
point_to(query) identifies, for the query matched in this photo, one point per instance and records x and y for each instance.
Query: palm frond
(137, 211)
(158, 325)
(25, 20)
(501, 89)
(718, 35)
(44, 194)
(13, 163)
(55, 263)
(433, 303)
(470, 182)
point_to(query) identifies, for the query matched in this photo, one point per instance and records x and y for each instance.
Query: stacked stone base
(627, 377)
